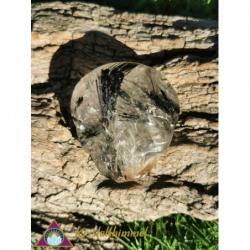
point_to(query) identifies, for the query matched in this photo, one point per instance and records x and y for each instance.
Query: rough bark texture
(71, 39)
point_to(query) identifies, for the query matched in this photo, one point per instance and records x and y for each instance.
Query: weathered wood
(71, 39)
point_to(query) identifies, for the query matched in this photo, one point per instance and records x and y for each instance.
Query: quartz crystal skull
(125, 116)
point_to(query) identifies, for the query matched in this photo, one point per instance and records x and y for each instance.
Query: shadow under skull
(125, 116)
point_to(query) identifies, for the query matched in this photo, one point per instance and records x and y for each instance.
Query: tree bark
(68, 41)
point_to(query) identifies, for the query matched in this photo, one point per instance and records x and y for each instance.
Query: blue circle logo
(53, 236)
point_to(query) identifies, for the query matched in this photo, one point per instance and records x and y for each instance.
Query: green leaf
(174, 243)
(198, 230)
(136, 241)
(124, 243)
(105, 223)
(157, 247)
(177, 225)
(201, 238)
(162, 244)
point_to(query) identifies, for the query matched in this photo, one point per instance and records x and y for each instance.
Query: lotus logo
(54, 237)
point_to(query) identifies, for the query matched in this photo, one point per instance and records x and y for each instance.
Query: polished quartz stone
(125, 116)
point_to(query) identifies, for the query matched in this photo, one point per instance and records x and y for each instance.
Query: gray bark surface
(71, 39)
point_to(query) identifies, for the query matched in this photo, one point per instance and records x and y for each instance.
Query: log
(71, 39)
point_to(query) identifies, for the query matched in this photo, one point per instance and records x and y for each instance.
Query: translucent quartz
(125, 116)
